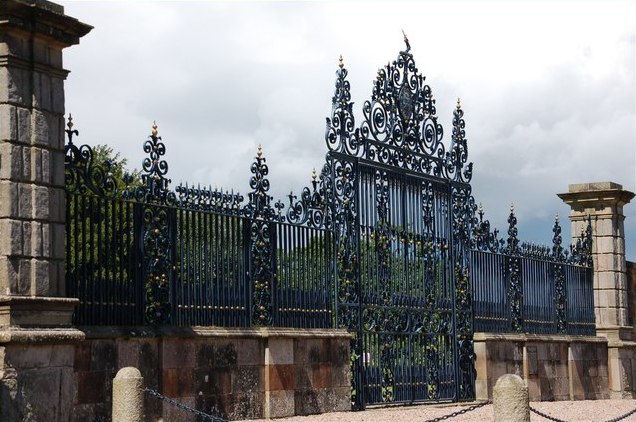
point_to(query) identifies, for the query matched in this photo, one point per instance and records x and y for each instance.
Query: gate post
(604, 202)
(33, 34)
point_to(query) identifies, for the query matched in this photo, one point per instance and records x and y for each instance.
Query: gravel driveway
(579, 411)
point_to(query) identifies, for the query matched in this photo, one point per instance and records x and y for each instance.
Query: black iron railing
(386, 242)
(139, 253)
(530, 288)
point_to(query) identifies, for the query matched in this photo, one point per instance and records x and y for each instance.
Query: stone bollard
(510, 399)
(128, 399)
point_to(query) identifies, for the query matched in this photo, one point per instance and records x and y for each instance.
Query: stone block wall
(241, 374)
(554, 367)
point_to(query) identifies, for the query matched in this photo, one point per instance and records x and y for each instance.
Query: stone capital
(585, 197)
(42, 19)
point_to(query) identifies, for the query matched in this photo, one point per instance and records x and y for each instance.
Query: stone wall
(244, 374)
(555, 367)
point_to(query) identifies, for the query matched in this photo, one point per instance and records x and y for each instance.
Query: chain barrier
(457, 413)
(552, 418)
(203, 415)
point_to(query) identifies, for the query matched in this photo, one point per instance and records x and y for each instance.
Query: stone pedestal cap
(587, 195)
(44, 18)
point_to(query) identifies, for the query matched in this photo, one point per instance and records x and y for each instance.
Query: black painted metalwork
(531, 288)
(403, 212)
(386, 241)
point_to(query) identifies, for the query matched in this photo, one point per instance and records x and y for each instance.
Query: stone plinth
(238, 373)
(554, 367)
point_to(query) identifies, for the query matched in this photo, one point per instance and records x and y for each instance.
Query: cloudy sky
(548, 88)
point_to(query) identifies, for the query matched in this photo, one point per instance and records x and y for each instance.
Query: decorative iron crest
(208, 199)
(341, 135)
(82, 172)
(456, 168)
(311, 209)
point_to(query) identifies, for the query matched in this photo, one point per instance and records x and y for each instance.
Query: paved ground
(579, 411)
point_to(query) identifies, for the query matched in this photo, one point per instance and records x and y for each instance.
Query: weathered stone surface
(281, 404)
(10, 237)
(280, 351)
(248, 379)
(8, 199)
(16, 84)
(177, 354)
(128, 396)
(281, 377)
(247, 406)
(510, 400)
(178, 382)
(8, 116)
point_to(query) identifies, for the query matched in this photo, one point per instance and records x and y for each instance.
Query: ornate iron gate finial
(406, 41)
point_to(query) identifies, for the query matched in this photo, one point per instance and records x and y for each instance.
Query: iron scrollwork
(560, 296)
(158, 242)
(83, 172)
(400, 133)
(513, 272)
(262, 215)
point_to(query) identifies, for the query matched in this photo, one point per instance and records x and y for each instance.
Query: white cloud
(548, 88)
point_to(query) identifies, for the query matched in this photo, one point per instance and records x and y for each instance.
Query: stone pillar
(32, 213)
(36, 341)
(604, 202)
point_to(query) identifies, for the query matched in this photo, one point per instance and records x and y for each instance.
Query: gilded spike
(340, 62)
(155, 132)
(70, 122)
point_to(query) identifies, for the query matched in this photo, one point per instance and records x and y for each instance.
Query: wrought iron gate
(402, 212)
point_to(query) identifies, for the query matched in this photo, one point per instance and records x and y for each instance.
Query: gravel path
(579, 411)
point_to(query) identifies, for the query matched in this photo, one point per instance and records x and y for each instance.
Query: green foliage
(100, 232)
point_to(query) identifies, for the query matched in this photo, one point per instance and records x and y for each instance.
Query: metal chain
(552, 418)
(205, 416)
(457, 413)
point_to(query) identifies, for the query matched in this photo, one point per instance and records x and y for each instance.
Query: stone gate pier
(604, 202)
(36, 337)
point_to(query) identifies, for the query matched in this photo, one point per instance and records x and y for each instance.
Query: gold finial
(154, 128)
(512, 207)
(313, 174)
(340, 62)
(481, 207)
(556, 217)
(459, 105)
(70, 122)
(259, 153)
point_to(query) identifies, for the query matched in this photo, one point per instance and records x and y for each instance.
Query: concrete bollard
(510, 399)
(128, 398)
